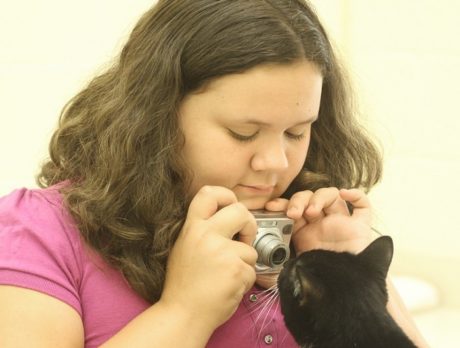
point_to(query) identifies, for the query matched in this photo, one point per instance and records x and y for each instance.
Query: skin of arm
(401, 315)
(32, 319)
(163, 326)
(35, 320)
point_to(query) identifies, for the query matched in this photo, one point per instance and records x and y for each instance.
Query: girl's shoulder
(34, 206)
(37, 219)
(42, 249)
(40, 246)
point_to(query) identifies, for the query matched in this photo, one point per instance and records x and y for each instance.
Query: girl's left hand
(323, 221)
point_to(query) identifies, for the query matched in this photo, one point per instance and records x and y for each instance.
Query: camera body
(274, 230)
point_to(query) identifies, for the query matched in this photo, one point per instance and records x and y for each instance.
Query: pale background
(404, 59)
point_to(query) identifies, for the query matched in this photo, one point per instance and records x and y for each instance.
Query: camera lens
(279, 256)
(272, 250)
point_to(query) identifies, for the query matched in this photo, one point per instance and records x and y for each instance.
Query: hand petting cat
(323, 220)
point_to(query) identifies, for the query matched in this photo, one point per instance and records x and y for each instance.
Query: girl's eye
(243, 138)
(297, 137)
(248, 138)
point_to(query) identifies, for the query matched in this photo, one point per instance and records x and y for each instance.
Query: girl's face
(250, 132)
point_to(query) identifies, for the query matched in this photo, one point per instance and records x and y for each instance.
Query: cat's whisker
(272, 288)
(264, 303)
(284, 338)
(263, 298)
(267, 318)
(261, 309)
(267, 310)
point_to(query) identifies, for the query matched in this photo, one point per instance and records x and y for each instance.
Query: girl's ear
(378, 255)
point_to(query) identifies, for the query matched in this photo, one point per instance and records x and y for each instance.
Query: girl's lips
(260, 189)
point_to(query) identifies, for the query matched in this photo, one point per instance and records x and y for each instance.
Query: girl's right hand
(208, 272)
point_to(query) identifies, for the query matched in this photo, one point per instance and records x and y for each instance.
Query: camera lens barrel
(272, 250)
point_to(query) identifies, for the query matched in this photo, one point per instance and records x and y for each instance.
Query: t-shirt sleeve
(39, 245)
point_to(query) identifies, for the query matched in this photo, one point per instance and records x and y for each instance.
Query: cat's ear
(304, 289)
(379, 254)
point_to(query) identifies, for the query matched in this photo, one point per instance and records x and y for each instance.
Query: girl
(141, 234)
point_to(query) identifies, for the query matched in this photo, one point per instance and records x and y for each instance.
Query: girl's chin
(255, 203)
(267, 281)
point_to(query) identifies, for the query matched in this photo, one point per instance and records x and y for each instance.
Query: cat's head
(325, 288)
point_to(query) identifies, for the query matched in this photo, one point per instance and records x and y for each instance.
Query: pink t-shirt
(41, 249)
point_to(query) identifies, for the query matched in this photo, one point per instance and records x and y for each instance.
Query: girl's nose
(271, 157)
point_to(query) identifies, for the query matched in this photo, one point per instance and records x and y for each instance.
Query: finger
(233, 219)
(356, 197)
(249, 277)
(246, 253)
(327, 200)
(297, 204)
(298, 225)
(359, 200)
(313, 216)
(277, 204)
(208, 200)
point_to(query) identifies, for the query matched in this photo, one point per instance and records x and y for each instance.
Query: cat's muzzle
(274, 230)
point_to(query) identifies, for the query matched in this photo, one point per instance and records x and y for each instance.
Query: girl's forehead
(289, 82)
(276, 70)
(267, 95)
(263, 72)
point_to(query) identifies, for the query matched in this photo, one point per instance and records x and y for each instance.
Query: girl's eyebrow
(261, 123)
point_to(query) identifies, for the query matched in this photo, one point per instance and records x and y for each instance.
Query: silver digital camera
(274, 230)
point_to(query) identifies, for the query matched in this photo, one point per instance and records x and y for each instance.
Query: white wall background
(404, 58)
(405, 62)
(48, 50)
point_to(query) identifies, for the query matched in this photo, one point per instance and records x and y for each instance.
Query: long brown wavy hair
(118, 143)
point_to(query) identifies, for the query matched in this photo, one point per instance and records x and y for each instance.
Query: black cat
(338, 300)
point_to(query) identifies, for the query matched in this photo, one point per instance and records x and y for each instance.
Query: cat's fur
(338, 300)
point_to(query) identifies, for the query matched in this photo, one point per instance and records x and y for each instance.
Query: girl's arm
(32, 319)
(162, 326)
(403, 318)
